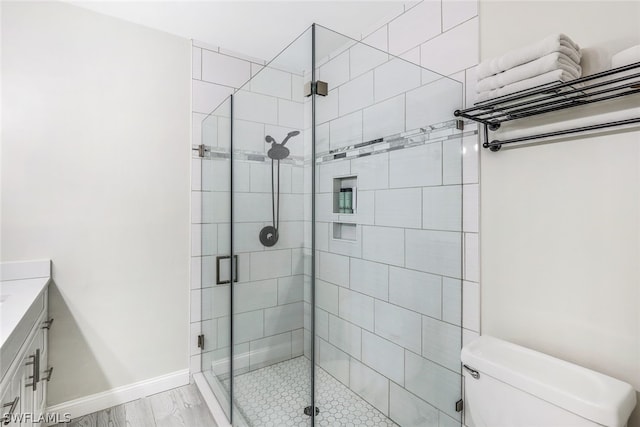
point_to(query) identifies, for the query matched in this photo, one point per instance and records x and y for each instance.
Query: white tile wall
(248, 135)
(247, 326)
(207, 96)
(260, 177)
(441, 342)
(365, 58)
(452, 162)
(432, 383)
(346, 336)
(471, 306)
(441, 208)
(410, 29)
(470, 204)
(327, 107)
(383, 356)
(416, 167)
(356, 308)
(452, 300)
(334, 361)
(255, 295)
(378, 39)
(224, 69)
(345, 131)
(372, 171)
(471, 257)
(196, 63)
(255, 107)
(270, 264)
(270, 81)
(432, 103)
(455, 12)
(283, 318)
(290, 114)
(334, 268)
(437, 252)
(356, 94)
(384, 119)
(270, 350)
(408, 410)
(370, 278)
(383, 244)
(399, 325)
(336, 71)
(470, 156)
(394, 78)
(417, 291)
(327, 296)
(452, 51)
(290, 289)
(369, 384)
(399, 208)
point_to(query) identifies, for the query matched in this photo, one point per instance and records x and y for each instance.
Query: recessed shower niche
(345, 195)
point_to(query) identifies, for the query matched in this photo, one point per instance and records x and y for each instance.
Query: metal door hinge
(316, 88)
(459, 405)
(201, 341)
(201, 149)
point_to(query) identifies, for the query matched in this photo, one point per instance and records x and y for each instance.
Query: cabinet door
(30, 374)
(9, 397)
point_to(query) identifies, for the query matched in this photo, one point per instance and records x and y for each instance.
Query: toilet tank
(518, 387)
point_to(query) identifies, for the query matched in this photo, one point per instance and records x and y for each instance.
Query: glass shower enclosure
(332, 210)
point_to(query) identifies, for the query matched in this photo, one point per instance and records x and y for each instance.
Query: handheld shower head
(290, 135)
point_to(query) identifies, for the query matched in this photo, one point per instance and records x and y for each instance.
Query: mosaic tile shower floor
(276, 395)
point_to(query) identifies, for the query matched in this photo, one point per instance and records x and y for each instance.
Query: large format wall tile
(370, 278)
(398, 325)
(383, 244)
(369, 384)
(408, 410)
(421, 292)
(432, 383)
(399, 208)
(437, 252)
(416, 167)
(383, 356)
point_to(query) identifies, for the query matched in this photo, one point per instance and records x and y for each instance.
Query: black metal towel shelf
(610, 84)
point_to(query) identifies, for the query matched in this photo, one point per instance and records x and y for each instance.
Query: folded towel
(554, 43)
(549, 77)
(550, 62)
(626, 57)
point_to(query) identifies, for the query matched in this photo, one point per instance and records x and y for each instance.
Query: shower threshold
(276, 395)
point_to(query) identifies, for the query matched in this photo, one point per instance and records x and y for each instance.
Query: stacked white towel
(555, 58)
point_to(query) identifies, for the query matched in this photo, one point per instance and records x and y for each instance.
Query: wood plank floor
(180, 407)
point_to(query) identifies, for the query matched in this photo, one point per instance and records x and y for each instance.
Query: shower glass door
(334, 289)
(271, 238)
(388, 239)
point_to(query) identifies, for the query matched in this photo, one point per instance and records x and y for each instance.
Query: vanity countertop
(16, 297)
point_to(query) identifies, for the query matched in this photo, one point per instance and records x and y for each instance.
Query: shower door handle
(235, 269)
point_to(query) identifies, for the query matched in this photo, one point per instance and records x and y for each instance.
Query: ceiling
(256, 28)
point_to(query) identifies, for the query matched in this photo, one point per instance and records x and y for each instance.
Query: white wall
(560, 223)
(95, 176)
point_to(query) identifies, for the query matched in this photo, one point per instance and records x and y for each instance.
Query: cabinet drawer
(12, 346)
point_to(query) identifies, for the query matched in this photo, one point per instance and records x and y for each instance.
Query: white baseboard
(119, 395)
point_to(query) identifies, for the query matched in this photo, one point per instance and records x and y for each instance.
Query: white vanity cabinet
(24, 369)
(27, 376)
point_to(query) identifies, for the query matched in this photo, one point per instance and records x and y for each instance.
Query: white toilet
(506, 385)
